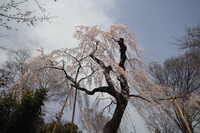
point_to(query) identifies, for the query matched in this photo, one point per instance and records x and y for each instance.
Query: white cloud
(59, 33)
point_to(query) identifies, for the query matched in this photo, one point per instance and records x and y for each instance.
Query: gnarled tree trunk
(113, 125)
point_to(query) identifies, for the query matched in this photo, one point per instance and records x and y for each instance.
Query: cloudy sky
(154, 22)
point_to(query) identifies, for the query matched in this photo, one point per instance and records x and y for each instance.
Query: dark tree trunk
(113, 125)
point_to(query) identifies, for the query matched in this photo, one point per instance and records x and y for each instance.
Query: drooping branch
(154, 100)
(77, 86)
(62, 69)
(170, 116)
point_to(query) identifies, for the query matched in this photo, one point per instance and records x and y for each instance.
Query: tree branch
(108, 106)
(154, 100)
(195, 114)
(105, 99)
(106, 72)
(123, 49)
(98, 89)
(87, 76)
(196, 125)
(138, 96)
(62, 69)
(78, 70)
(123, 58)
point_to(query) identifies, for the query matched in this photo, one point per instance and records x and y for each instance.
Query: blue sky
(154, 22)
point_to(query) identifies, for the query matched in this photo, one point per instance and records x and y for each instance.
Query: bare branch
(138, 96)
(108, 106)
(87, 76)
(11, 11)
(62, 69)
(196, 125)
(153, 100)
(98, 89)
(105, 99)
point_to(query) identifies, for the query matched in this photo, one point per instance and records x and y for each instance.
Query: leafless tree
(17, 65)
(181, 74)
(191, 41)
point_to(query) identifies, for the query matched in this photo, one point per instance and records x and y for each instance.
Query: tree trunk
(113, 125)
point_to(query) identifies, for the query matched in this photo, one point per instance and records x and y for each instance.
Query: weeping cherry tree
(105, 62)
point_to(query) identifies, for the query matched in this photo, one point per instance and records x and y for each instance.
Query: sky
(154, 22)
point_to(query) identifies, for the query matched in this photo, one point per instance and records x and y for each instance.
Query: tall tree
(191, 43)
(15, 64)
(181, 75)
(104, 62)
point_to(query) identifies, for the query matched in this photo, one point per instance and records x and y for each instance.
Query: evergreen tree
(21, 117)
